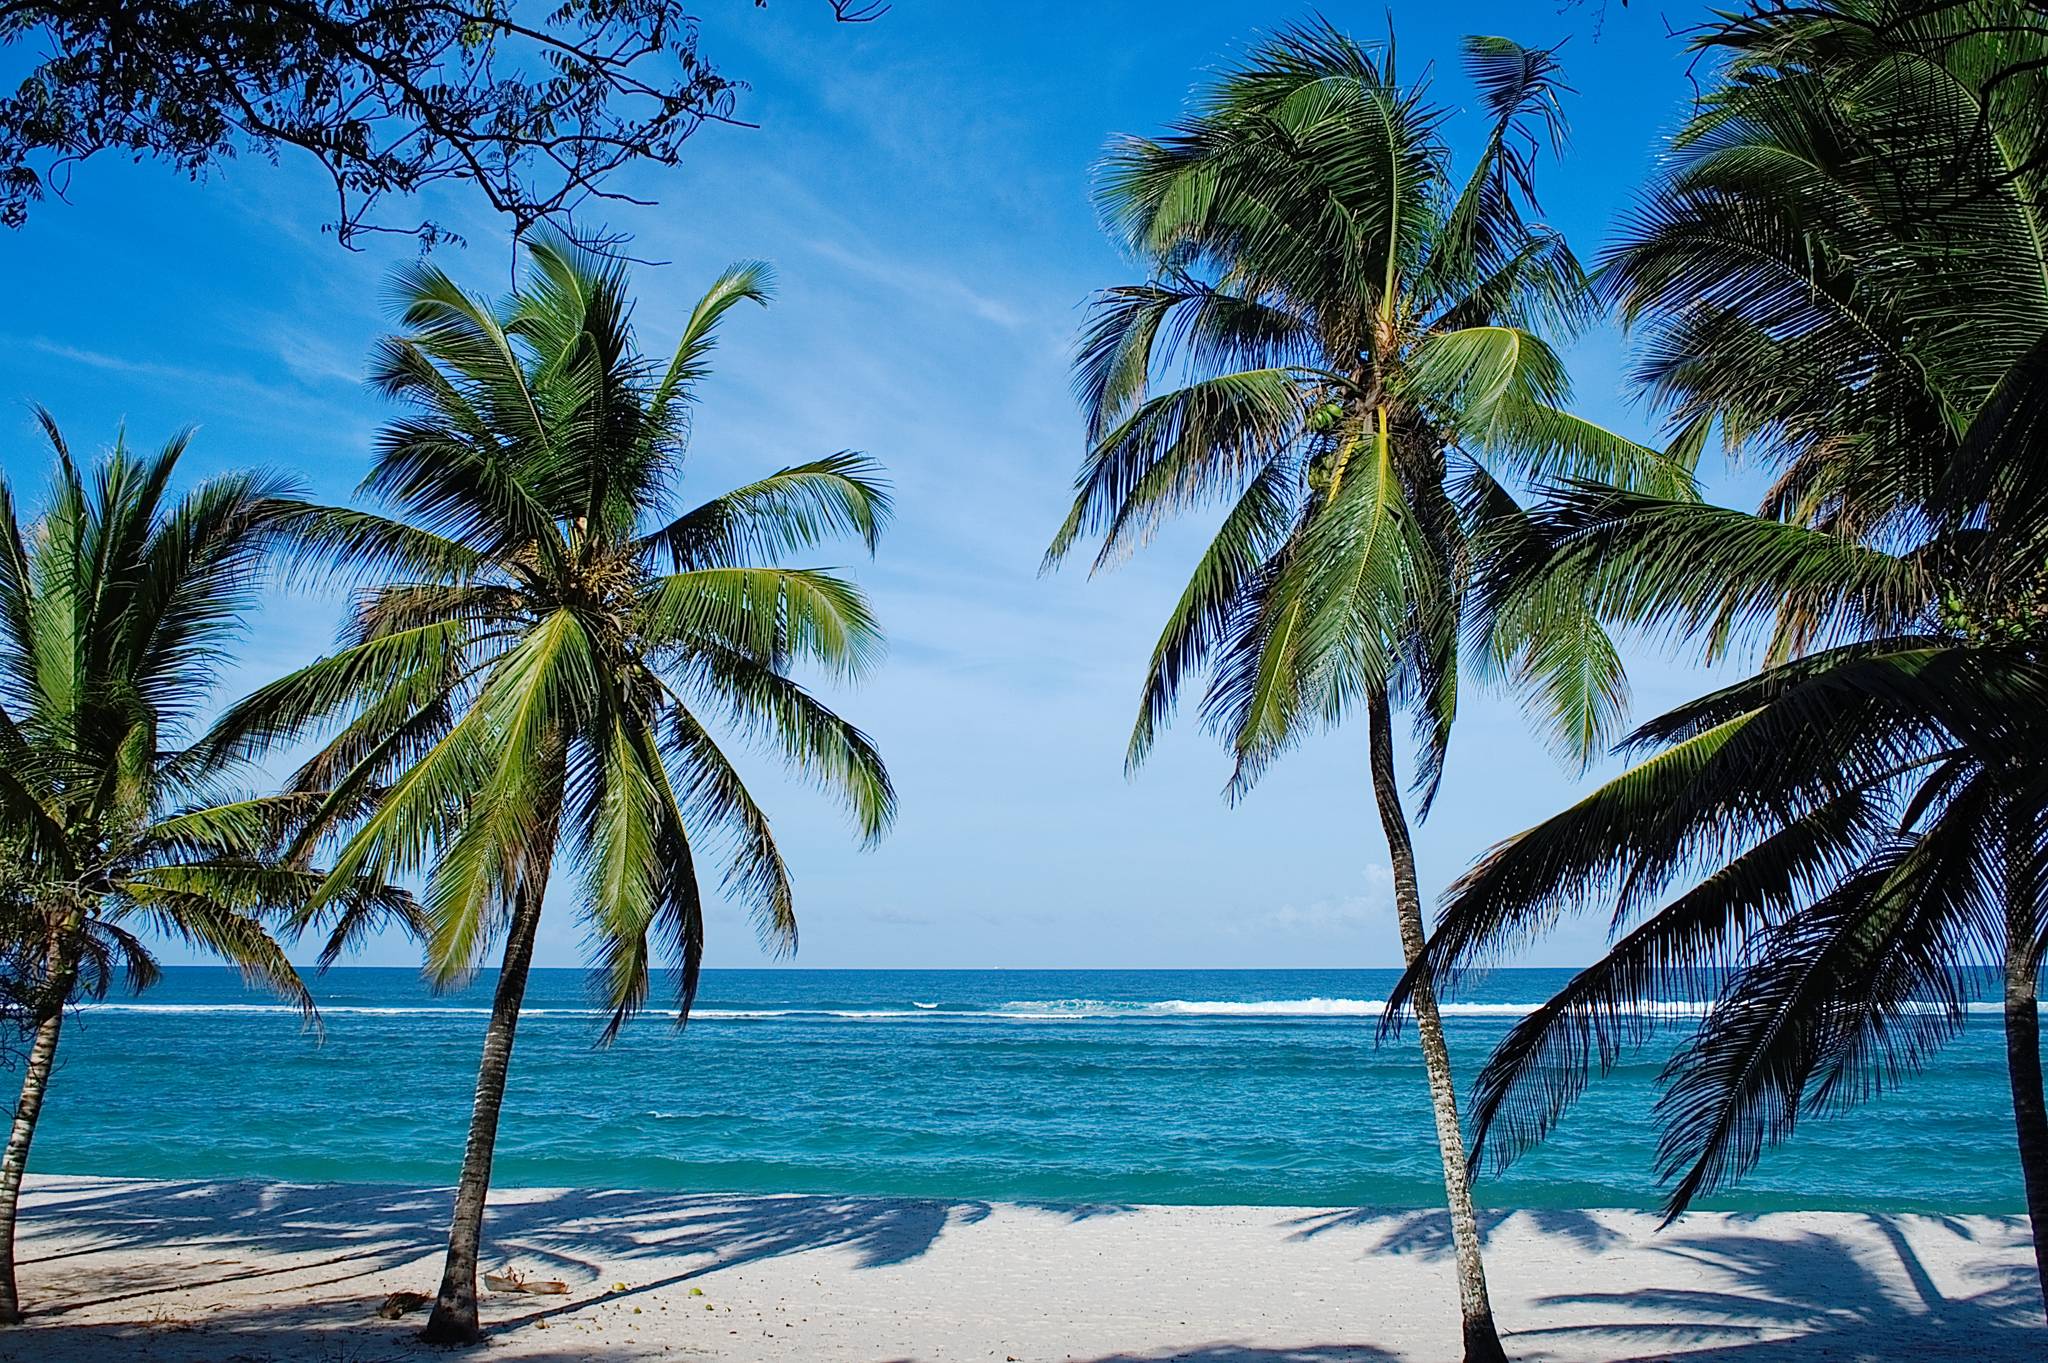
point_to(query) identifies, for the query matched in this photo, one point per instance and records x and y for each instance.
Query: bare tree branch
(535, 103)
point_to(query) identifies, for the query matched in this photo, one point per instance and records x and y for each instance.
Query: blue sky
(921, 186)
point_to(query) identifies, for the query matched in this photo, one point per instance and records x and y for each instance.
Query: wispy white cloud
(315, 359)
(1340, 915)
(118, 364)
(209, 386)
(928, 285)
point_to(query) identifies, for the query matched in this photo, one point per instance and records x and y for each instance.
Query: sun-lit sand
(251, 1271)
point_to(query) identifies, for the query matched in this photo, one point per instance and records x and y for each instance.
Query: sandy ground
(251, 1272)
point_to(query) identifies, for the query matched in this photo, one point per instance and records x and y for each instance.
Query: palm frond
(792, 509)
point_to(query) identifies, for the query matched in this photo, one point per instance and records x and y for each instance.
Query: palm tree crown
(118, 607)
(1367, 379)
(554, 650)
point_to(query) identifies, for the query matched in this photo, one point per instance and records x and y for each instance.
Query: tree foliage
(534, 104)
(545, 651)
(117, 605)
(1347, 345)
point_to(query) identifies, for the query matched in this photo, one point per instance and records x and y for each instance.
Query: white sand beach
(251, 1272)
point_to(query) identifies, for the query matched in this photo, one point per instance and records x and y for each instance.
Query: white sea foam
(463, 1010)
(329, 1010)
(1027, 1010)
(1274, 1008)
(1044, 1009)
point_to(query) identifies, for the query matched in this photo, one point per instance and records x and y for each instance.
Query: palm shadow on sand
(1814, 1288)
(1758, 1298)
(335, 1233)
(1762, 1299)
(1428, 1233)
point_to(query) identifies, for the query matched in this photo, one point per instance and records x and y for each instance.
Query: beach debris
(162, 1319)
(512, 1280)
(398, 1303)
(696, 1291)
(620, 1287)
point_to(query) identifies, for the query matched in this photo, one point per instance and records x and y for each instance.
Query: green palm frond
(765, 705)
(119, 607)
(1201, 619)
(1469, 374)
(546, 687)
(203, 916)
(617, 813)
(780, 615)
(790, 510)
(1975, 699)
(748, 282)
(1677, 953)
(1688, 567)
(1173, 451)
(708, 792)
(1132, 326)
(1329, 326)
(1360, 563)
(326, 539)
(281, 711)
(1838, 1003)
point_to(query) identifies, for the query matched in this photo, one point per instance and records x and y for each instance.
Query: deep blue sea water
(1070, 1086)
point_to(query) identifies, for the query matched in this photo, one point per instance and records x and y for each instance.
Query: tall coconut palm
(1345, 344)
(1847, 266)
(117, 608)
(542, 665)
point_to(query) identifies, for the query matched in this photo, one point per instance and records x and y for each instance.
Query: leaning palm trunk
(35, 1082)
(2023, 1048)
(1482, 1340)
(2030, 1113)
(454, 1318)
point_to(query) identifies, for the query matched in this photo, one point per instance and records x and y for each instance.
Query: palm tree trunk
(454, 1319)
(2023, 1047)
(28, 1109)
(1482, 1340)
(35, 1082)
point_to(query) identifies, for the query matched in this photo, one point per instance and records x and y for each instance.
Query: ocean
(1084, 1086)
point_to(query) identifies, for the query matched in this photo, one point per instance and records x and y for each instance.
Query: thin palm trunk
(35, 1083)
(1482, 1340)
(454, 1318)
(28, 1109)
(2023, 1048)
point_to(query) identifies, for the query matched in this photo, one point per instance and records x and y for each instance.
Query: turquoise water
(1068, 1086)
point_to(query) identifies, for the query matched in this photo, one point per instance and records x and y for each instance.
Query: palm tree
(117, 607)
(1349, 345)
(541, 667)
(1846, 266)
